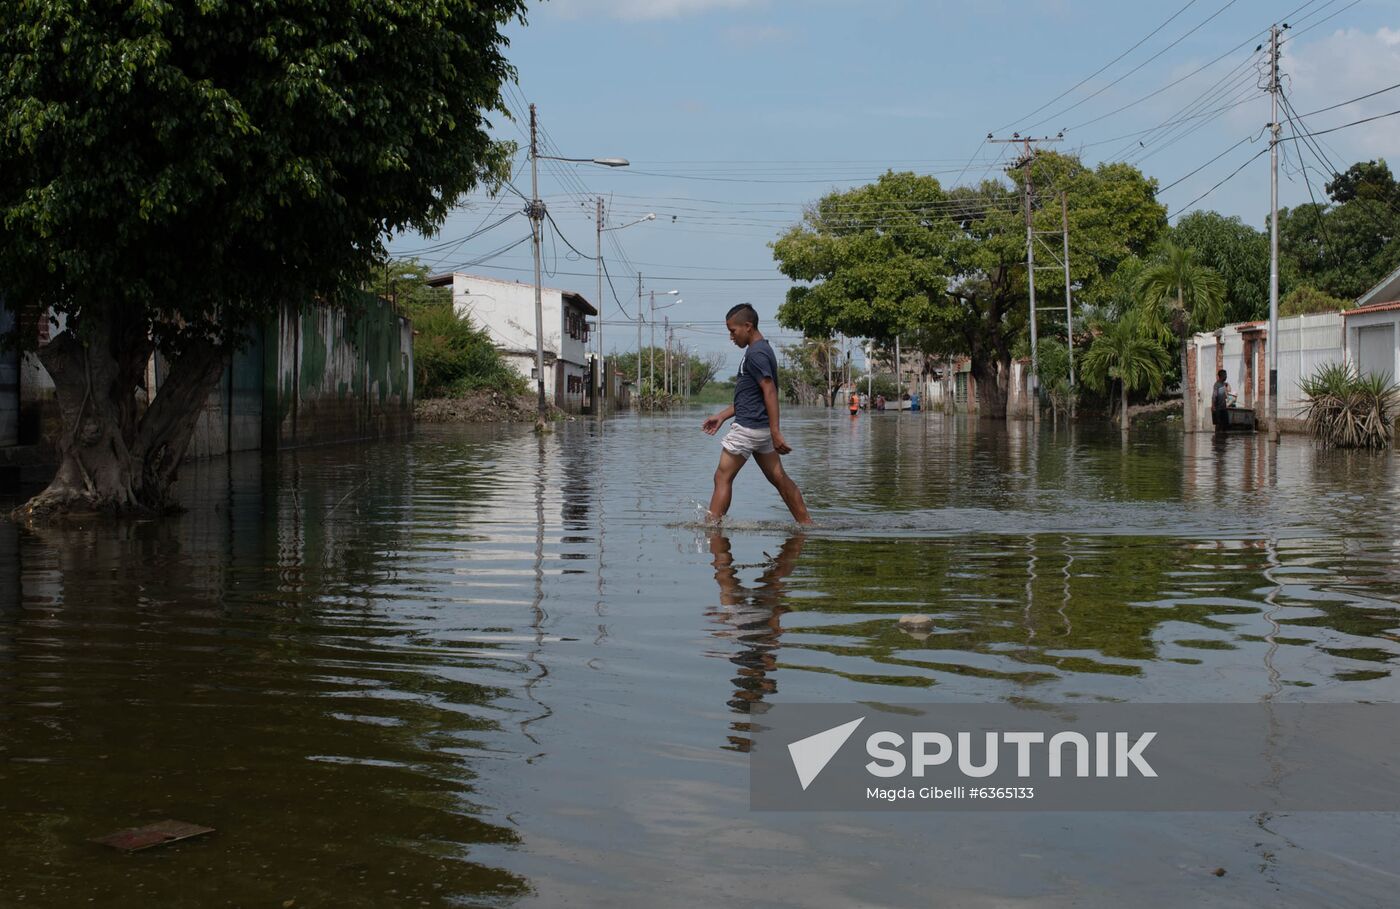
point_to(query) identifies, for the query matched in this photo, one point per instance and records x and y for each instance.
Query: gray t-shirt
(759, 363)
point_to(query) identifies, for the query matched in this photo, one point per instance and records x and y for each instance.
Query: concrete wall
(331, 376)
(311, 375)
(1305, 343)
(232, 418)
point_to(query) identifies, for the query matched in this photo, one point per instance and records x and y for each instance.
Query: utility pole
(651, 351)
(1274, 128)
(639, 341)
(601, 391)
(666, 333)
(536, 213)
(1027, 156)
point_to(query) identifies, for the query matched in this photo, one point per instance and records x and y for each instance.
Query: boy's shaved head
(743, 313)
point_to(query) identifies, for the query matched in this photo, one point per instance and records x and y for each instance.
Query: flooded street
(486, 668)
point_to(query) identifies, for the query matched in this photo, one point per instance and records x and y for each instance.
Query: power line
(1228, 85)
(1096, 72)
(1373, 94)
(1320, 21)
(1196, 28)
(1323, 132)
(1204, 166)
(1232, 175)
(436, 247)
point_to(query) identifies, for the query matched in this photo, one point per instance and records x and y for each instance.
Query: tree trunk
(1123, 414)
(115, 456)
(991, 389)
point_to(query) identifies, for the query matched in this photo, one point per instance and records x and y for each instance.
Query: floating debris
(915, 622)
(1219, 872)
(157, 834)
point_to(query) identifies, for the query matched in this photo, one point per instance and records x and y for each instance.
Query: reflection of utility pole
(1027, 156)
(898, 378)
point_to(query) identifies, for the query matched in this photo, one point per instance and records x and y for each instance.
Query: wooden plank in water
(157, 834)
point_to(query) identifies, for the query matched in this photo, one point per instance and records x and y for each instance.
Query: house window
(576, 325)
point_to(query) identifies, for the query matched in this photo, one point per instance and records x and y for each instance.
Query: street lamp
(602, 390)
(651, 354)
(535, 209)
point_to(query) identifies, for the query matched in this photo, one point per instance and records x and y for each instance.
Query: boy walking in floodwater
(755, 411)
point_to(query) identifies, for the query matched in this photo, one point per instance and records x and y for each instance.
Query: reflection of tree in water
(751, 617)
(245, 666)
(1098, 605)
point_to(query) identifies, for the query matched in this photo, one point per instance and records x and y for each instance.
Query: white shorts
(744, 442)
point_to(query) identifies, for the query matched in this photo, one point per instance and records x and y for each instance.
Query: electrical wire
(1232, 175)
(1192, 31)
(1203, 166)
(1096, 72)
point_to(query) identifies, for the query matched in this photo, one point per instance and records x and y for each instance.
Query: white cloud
(638, 10)
(1347, 64)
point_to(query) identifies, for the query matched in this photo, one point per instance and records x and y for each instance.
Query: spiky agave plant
(1349, 410)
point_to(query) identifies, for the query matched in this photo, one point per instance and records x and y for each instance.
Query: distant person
(864, 401)
(914, 401)
(1220, 403)
(755, 411)
(855, 404)
(879, 402)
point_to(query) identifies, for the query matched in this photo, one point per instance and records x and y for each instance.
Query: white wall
(1305, 343)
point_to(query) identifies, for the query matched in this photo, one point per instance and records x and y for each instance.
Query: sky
(734, 114)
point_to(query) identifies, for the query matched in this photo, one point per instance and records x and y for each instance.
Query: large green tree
(945, 269)
(1346, 244)
(1237, 252)
(171, 172)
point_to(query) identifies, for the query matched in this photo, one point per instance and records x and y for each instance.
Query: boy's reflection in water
(750, 616)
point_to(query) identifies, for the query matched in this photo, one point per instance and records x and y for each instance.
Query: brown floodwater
(484, 668)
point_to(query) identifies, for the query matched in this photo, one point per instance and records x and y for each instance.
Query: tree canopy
(1235, 251)
(946, 268)
(1345, 245)
(170, 172)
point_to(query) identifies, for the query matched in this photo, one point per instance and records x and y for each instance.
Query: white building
(1373, 329)
(506, 309)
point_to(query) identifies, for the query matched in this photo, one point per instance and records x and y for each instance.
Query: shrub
(1347, 410)
(453, 357)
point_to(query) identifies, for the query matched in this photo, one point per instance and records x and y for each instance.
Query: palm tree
(1127, 352)
(820, 353)
(1181, 296)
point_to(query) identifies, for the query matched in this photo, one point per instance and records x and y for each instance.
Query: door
(1375, 350)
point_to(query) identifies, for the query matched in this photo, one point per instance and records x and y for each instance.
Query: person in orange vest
(855, 403)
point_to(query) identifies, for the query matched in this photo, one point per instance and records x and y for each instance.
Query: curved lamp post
(535, 209)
